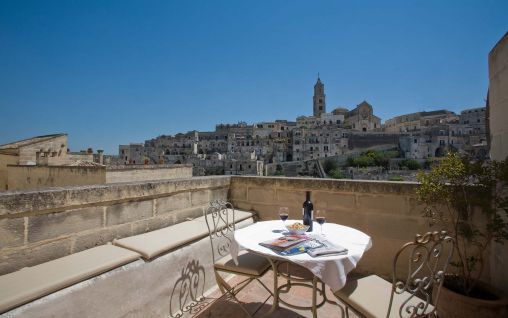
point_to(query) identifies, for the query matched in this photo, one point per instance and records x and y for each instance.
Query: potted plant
(469, 199)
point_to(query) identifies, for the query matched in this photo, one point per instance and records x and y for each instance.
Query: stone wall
(143, 173)
(498, 126)
(5, 160)
(36, 177)
(38, 226)
(386, 211)
(368, 140)
(498, 99)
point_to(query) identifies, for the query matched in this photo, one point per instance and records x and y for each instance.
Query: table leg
(314, 297)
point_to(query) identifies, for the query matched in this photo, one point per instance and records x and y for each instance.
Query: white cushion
(155, 243)
(248, 263)
(371, 297)
(30, 283)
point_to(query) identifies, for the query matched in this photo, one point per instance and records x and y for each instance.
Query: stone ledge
(314, 184)
(19, 203)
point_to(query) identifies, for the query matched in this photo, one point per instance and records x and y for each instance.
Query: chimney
(101, 156)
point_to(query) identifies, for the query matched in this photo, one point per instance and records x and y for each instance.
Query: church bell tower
(319, 104)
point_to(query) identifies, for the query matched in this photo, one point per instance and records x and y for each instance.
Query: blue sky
(114, 72)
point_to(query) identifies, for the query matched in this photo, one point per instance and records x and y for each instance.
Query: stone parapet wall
(387, 211)
(36, 177)
(38, 226)
(116, 174)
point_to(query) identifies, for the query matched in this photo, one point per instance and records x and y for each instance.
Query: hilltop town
(342, 143)
(301, 147)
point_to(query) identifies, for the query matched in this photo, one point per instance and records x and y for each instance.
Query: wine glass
(283, 214)
(321, 219)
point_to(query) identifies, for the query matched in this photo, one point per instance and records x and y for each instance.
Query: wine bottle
(308, 211)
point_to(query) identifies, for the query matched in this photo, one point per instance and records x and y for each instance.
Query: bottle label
(303, 212)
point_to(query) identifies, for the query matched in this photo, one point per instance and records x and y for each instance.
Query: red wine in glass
(321, 220)
(283, 214)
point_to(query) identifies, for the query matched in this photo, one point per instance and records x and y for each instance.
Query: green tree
(336, 174)
(454, 192)
(330, 165)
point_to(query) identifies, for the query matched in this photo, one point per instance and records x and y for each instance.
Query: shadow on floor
(228, 308)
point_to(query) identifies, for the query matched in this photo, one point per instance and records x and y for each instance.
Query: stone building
(313, 143)
(476, 118)
(243, 164)
(362, 118)
(436, 140)
(132, 154)
(45, 161)
(419, 120)
(40, 150)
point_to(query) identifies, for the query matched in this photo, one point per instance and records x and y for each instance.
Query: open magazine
(284, 242)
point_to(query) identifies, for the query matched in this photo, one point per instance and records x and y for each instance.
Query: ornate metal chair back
(427, 259)
(220, 220)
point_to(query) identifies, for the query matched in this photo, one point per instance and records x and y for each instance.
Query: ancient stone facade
(48, 150)
(420, 120)
(133, 153)
(362, 118)
(432, 134)
(319, 142)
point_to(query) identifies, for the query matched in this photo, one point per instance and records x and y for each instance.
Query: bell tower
(319, 104)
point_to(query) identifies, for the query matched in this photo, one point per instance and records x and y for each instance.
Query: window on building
(416, 141)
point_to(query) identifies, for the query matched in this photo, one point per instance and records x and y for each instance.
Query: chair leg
(225, 288)
(220, 281)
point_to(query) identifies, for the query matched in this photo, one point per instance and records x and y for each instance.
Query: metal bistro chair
(220, 220)
(416, 295)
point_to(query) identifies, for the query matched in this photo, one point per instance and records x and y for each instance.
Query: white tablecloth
(332, 270)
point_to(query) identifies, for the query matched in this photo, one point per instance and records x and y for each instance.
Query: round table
(332, 270)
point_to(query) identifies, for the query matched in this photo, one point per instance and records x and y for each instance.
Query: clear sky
(114, 72)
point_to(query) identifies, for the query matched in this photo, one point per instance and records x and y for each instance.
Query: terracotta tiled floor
(254, 295)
